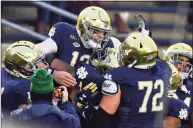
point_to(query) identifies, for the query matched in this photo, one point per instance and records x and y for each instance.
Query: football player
(176, 110)
(180, 54)
(93, 75)
(76, 43)
(143, 80)
(20, 59)
(86, 74)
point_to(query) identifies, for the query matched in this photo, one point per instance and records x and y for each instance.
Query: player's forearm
(103, 116)
(110, 103)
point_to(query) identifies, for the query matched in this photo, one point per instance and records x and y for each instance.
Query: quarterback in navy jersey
(76, 43)
(180, 54)
(20, 60)
(70, 48)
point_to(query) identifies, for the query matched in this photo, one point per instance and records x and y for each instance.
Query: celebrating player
(76, 43)
(180, 54)
(21, 59)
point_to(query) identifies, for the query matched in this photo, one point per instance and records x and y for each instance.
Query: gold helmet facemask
(21, 57)
(93, 20)
(139, 51)
(172, 55)
(174, 80)
(105, 59)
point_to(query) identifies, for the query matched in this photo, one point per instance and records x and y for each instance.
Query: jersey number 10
(150, 87)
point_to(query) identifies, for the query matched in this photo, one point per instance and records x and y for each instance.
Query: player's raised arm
(143, 26)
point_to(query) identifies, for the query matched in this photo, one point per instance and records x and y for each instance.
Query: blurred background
(170, 22)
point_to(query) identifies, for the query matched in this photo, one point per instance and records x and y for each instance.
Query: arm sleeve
(48, 46)
(56, 41)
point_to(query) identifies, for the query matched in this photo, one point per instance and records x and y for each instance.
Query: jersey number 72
(150, 87)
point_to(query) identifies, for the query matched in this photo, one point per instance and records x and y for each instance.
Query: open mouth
(97, 41)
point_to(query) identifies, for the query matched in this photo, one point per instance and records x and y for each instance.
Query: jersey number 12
(75, 55)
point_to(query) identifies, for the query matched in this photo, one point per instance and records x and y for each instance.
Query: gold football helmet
(172, 55)
(20, 58)
(93, 19)
(105, 59)
(139, 51)
(175, 78)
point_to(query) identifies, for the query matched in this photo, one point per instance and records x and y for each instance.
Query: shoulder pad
(109, 87)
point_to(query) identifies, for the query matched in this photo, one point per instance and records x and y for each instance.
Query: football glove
(143, 26)
(85, 111)
(82, 100)
(88, 91)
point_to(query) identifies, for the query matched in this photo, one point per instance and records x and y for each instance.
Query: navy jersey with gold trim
(70, 47)
(143, 93)
(14, 92)
(85, 74)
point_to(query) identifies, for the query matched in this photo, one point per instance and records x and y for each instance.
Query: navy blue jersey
(85, 74)
(143, 93)
(14, 91)
(70, 47)
(177, 108)
(186, 94)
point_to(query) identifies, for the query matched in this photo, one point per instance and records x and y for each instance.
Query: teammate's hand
(143, 26)
(64, 78)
